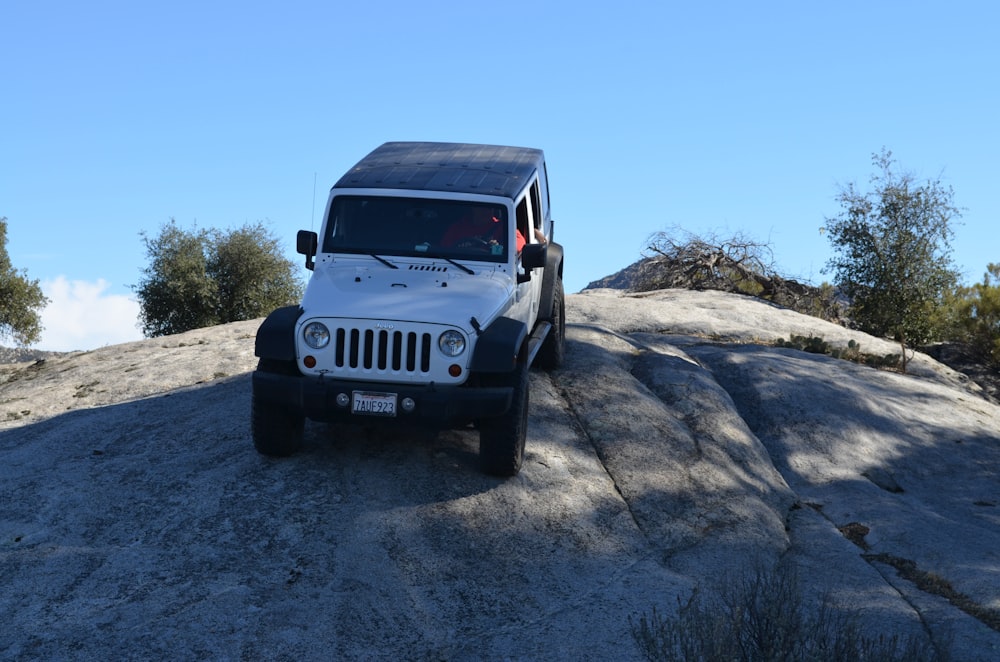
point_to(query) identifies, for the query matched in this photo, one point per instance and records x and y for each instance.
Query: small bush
(853, 353)
(811, 344)
(761, 617)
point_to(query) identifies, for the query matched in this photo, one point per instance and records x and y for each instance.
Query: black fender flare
(276, 335)
(553, 271)
(499, 347)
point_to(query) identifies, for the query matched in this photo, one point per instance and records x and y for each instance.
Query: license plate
(373, 404)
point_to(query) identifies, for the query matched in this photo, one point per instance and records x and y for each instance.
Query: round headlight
(316, 335)
(451, 343)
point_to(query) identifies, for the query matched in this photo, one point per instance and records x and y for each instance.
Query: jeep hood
(411, 293)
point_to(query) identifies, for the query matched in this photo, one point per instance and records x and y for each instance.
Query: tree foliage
(893, 253)
(176, 293)
(201, 278)
(250, 274)
(975, 315)
(21, 299)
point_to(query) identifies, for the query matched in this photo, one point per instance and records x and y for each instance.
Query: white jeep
(436, 285)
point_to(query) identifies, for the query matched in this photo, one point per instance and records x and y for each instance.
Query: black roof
(453, 167)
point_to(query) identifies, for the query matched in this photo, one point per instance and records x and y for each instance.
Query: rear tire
(276, 431)
(550, 355)
(501, 439)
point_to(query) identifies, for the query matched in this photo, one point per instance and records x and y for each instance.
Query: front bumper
(441, 406)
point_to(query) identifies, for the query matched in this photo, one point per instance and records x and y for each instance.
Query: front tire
(501, 439)
(276, 431)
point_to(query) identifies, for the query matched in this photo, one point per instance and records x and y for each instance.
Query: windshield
(417, 227)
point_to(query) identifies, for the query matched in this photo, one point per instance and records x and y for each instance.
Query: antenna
(312, 221)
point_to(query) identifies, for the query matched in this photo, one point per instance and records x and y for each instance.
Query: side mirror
(306, 243)
(533, 256)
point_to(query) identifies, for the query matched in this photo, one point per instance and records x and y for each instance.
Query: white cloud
(81, 315)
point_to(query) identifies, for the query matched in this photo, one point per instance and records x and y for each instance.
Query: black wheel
(276, 431)
(501, 439)
(550, 356)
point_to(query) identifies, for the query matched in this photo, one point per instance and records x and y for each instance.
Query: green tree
(250, 274)
(201, 278)
(976, 313)
(176, 293)
(21, 299)
(893, 252)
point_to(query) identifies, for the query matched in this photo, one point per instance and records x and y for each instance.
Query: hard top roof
(451, 167)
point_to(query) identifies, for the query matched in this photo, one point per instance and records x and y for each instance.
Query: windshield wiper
(384, 261)
(460, 266)
(448, 259)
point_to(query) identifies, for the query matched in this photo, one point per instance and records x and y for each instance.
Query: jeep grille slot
(382, 350)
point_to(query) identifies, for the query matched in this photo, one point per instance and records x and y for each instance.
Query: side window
(547, 204)
(523, 217)
(536, 204)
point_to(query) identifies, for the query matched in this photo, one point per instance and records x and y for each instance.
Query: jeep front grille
(382, 350)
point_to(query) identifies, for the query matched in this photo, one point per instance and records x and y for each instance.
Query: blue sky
(715, 116)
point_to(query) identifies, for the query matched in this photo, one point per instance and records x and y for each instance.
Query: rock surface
(676, 444)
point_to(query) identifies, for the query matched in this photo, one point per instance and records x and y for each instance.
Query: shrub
(762, 617)
(853, 353)
(201, 278)
(737, 263)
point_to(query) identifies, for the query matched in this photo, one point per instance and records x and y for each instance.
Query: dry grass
(932, 583)
(761, 617)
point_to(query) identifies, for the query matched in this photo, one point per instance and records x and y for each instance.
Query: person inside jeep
(481, 228)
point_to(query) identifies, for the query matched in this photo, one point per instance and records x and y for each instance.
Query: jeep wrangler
(436, 285)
